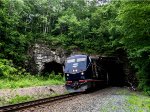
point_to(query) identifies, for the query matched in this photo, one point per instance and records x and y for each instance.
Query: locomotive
(83, 72)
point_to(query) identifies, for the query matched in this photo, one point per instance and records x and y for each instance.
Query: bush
(7, 68)
(53, 76)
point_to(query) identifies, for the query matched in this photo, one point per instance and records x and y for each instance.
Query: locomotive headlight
(82, 73)
(67, 74)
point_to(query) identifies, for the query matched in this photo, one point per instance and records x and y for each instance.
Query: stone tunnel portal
(52, 67)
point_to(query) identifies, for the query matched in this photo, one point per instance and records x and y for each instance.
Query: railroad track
(20, 106)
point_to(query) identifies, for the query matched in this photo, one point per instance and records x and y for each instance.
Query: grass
(140, 101)
(30, 80)
(127, 101)
(25, 98)
(20, 99)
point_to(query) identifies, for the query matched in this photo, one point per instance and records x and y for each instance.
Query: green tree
(135, 25)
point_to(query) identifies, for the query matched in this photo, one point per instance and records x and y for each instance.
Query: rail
(20, 106)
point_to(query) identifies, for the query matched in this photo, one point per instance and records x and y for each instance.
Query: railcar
(83, 72)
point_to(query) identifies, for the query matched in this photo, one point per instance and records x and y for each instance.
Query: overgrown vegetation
(12, 77)
(143, 102)
(81, 25)
(20, 99)
(21, 81)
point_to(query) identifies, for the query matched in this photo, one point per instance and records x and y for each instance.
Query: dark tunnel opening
(114, 69)
(53, 67)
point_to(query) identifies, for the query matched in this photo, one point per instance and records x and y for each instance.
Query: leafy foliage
(82, 25)
(135, 25)
(6, 68)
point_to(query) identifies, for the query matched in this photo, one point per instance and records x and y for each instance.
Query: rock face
(42, 54)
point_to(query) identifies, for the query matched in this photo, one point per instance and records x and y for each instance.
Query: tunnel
(114, 69)
(52, 67)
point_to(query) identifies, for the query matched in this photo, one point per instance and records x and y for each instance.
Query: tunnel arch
(52, 66)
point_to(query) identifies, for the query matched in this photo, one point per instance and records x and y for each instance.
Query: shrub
(7, 68)
(55, 77)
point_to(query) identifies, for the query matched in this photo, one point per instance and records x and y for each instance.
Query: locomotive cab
(76, 67)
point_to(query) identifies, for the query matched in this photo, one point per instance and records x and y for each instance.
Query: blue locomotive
(83, 72)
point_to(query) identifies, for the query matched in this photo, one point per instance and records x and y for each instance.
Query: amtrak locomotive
(83, 73)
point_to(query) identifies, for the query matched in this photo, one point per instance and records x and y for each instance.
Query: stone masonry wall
(42, 54)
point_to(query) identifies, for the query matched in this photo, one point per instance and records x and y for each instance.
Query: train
(83, 72)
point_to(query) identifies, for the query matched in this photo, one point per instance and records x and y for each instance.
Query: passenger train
(83, 72)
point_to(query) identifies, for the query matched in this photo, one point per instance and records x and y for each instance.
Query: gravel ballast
(112, 99)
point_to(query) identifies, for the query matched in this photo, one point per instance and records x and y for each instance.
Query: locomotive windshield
(76, 64)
